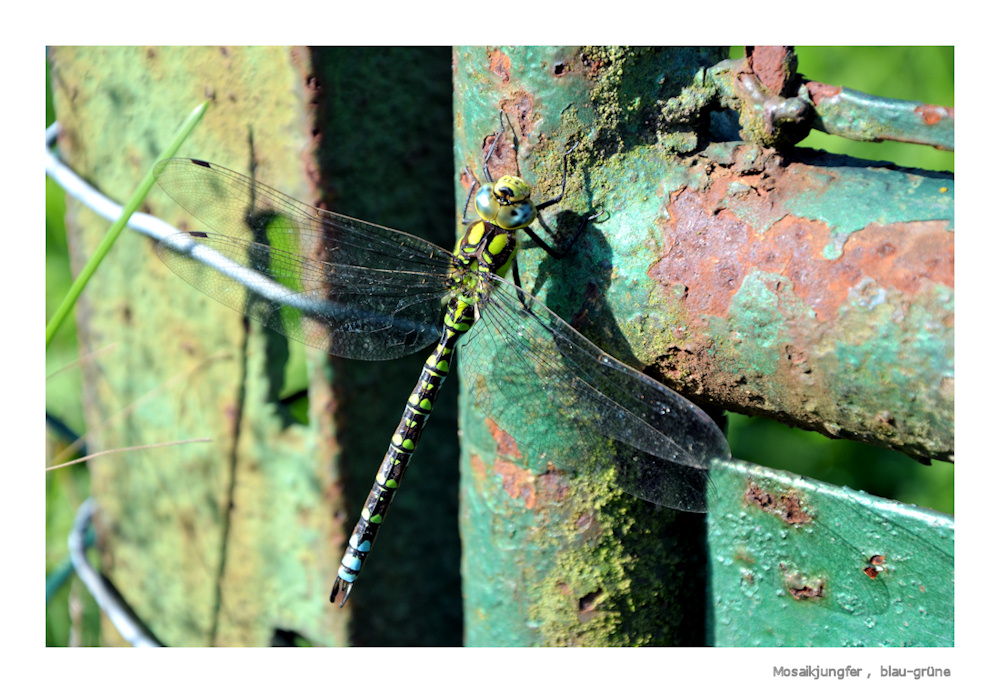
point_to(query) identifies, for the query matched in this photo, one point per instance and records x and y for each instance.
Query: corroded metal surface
(859, 116)
(799, 563)
(811, 289)
(778, 106)
(820, 291)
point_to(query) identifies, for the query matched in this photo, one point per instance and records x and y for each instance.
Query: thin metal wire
(170, 236)
(121, 617)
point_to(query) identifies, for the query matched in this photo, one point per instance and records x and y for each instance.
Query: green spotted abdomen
(458, 320)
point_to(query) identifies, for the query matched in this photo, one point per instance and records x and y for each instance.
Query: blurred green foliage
(913, 73)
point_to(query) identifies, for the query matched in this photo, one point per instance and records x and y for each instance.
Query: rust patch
(710, 251)
(585, 522)
(520, 107)
(465, 179)
(504, 159)
(885, 418)
(875, 566)
(796, 356)
(787, 506)
(588, 606)
(819, 91)
(478, 468)
(702, 245)
(903, 256)
(933, 115)
(517, 481)
(799, 589)
(800, 586)
(593, 65)
(769, 65)
(500, 65)
(506, 445)
(552, 486)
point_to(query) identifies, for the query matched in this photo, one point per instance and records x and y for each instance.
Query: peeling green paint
(552, 558)
(580, 571)
(849, 198)
(859, 116)
(760, 313)
(889, 344)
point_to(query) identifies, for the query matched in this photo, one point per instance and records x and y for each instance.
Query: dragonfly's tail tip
(337, 586)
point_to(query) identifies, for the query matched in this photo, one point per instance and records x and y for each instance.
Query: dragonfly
(363, 291)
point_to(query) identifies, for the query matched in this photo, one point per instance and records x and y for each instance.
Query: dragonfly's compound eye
(516, 216)
(506, 204)
(487, 205)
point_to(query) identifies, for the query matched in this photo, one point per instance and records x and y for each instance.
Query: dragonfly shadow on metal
(593, 261)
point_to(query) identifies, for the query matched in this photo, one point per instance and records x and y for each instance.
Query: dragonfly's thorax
(484, 249)
(489, 244)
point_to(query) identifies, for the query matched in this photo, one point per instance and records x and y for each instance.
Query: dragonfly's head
(506, 203)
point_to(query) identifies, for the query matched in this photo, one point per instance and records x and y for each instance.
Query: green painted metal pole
(550, 560)
(227, 542)
(237, 542)
(859, 116)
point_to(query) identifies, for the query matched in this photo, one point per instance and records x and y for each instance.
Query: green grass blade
(116, 228)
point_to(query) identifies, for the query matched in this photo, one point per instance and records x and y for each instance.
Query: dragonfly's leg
(515, 274)
(552, 252)
(496, 139)
(568, 245)
(486, 170)
(472, 189)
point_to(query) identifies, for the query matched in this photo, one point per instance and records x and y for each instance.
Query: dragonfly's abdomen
(458, 320)
(484, 248)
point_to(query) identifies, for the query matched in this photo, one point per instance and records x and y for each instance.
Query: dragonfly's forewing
(531, 370)
(368, 292)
